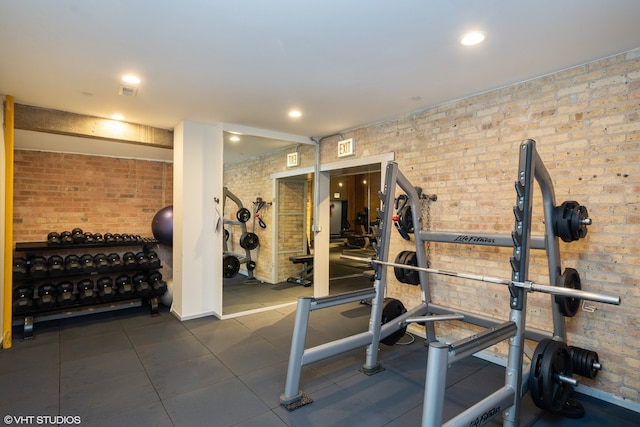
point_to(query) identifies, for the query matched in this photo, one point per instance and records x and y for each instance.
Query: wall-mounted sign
(346, 147)
(293, 159)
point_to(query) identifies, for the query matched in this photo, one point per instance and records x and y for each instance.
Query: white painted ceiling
(343, 63)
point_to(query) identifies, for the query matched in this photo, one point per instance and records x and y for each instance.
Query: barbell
(527, 285)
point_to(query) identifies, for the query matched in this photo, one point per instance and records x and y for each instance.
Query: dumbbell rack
(27, 317)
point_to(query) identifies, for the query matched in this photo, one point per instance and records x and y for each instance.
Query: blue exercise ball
(162, 226)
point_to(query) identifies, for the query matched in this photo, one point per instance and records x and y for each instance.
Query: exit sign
(346, 147)
(293, 159)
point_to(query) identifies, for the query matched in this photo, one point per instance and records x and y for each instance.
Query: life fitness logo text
(485, 417)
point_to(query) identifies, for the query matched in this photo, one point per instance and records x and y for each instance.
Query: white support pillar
(321, 239)
(197, 245)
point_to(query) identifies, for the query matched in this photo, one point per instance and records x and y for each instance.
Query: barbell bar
(530, 286)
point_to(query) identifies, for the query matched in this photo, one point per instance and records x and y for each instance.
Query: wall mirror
(257, 212)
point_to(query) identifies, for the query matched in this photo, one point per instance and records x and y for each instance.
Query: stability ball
(167, 298)
(162, 226)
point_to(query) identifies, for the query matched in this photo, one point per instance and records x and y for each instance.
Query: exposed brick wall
(60, 191)
(586, 124)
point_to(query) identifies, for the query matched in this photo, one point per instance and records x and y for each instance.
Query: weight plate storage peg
(392, 309)
(568, 279)
(230, 266)
(551, 362)
(243, 215)
(249, 241)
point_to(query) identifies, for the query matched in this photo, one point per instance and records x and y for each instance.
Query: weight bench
(306, 271)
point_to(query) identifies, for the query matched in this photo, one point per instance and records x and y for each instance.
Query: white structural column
(197, 245)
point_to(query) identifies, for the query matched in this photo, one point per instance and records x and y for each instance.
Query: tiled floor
(127, 368)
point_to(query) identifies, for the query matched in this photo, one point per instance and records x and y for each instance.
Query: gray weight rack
(242, 259)
(506, 400)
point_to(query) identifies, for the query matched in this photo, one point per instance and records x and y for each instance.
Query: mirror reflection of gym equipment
(354, 201)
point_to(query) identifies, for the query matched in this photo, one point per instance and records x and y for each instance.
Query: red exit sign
(346, 147)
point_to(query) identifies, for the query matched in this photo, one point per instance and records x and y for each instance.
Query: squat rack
(507, 399)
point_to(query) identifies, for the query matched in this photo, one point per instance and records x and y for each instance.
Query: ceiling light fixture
(117, 117)
(472, 38)
(294, 114)
(131, 79)
(234, 138)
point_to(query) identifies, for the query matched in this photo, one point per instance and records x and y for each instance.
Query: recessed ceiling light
(294, 114)
(234, 138)
(472, 38)
(131, 79)
(117, 117)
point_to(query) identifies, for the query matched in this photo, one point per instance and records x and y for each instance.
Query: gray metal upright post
(386, 225)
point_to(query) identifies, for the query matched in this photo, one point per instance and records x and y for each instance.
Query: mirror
(261, 235)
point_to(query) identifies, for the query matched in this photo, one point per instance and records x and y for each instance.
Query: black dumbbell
(106, 288)
(22, 299)
(114, 261)
(154, 261)
(129, 259)
(53, 238)
(101, 262)
(46, 295)
(141, 284)
(86, 291)
(38, 266)
(66, 238)
(142, 260)
(65, 293)
(19, 268)
(124, 286)
(87, 263)
(72, 263)
(55, 264)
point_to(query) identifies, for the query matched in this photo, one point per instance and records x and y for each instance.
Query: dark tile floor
(127, 368)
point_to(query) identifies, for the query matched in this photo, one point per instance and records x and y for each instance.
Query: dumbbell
(114, 261)
(106, 288)
(159, 286)
(88, 238)
(53, 238)
(129, 260)
(124, 286)
(86, 291)
(22, 299)
(142, 260)
(77, 235)
(66, 238)
(38, 266)
(101, 262)
(98, 238)
(72, 263)
(87, 263)
(154, 261)
(19, 268)
(46, 295)
(141, 285)
(55, 264)
(65, 293)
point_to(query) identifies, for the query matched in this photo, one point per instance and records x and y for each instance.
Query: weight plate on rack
(243, 215)
(230, 266)
(249, 241)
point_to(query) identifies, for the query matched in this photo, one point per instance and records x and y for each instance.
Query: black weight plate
(230, 266)
(392, 309)
(249, 241)
(226, 234)
(251, 265)
(568, 279)
(535, 374)
(556, 360)
(399, 271)
(243, 215)
(412, 277)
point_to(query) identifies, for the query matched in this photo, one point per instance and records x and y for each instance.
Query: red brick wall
(60, 191)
